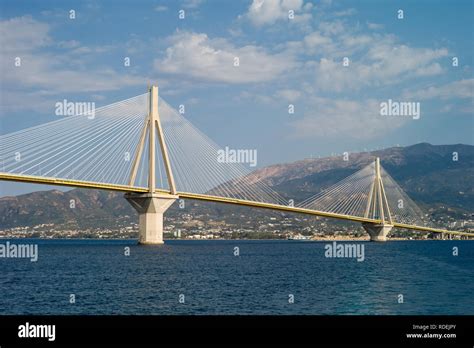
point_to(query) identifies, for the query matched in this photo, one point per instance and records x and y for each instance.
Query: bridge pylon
(378, 208)
(152, 205)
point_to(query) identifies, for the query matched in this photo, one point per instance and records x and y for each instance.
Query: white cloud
(48, 72)
(263, 12)
(428, 70)
(376, 59)
(349, 41)
(290, 95)
(331, 28)
(374, 26)
(42, 75)
(333, 118)
(192, 3)
(315, 39)
(254, 98)
(160, 8)
(69, 44)
(345, 13)
(197, 56)
(463, 89)
(383, 62)
(21, 34)
(14, 101)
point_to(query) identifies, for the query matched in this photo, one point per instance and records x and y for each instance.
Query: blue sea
(267, 277)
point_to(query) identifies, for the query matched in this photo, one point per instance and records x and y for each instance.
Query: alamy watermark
(228, 155)
(68, 108)
(28, 330)
(345, 250)
(396, 108)
(26, 251)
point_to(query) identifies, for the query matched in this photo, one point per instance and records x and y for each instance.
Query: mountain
(429, 174)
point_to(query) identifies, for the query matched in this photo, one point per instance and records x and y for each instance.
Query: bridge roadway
(209, 198)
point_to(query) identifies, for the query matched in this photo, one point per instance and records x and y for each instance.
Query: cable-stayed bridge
(145, 148)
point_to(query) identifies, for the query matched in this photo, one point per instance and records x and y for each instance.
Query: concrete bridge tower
(152, 205)
(377, 207)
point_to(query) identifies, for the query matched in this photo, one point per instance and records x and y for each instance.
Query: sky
(332, 62)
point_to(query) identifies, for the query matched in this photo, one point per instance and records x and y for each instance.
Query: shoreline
(319, 239)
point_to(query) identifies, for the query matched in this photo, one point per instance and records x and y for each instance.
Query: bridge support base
(150, 208)
(377, 232)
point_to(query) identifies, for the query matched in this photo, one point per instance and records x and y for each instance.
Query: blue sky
(282, 61)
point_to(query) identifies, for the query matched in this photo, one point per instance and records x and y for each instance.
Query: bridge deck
(209, 198)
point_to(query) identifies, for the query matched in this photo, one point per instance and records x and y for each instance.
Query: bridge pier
(150, 208)
(377, 232)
